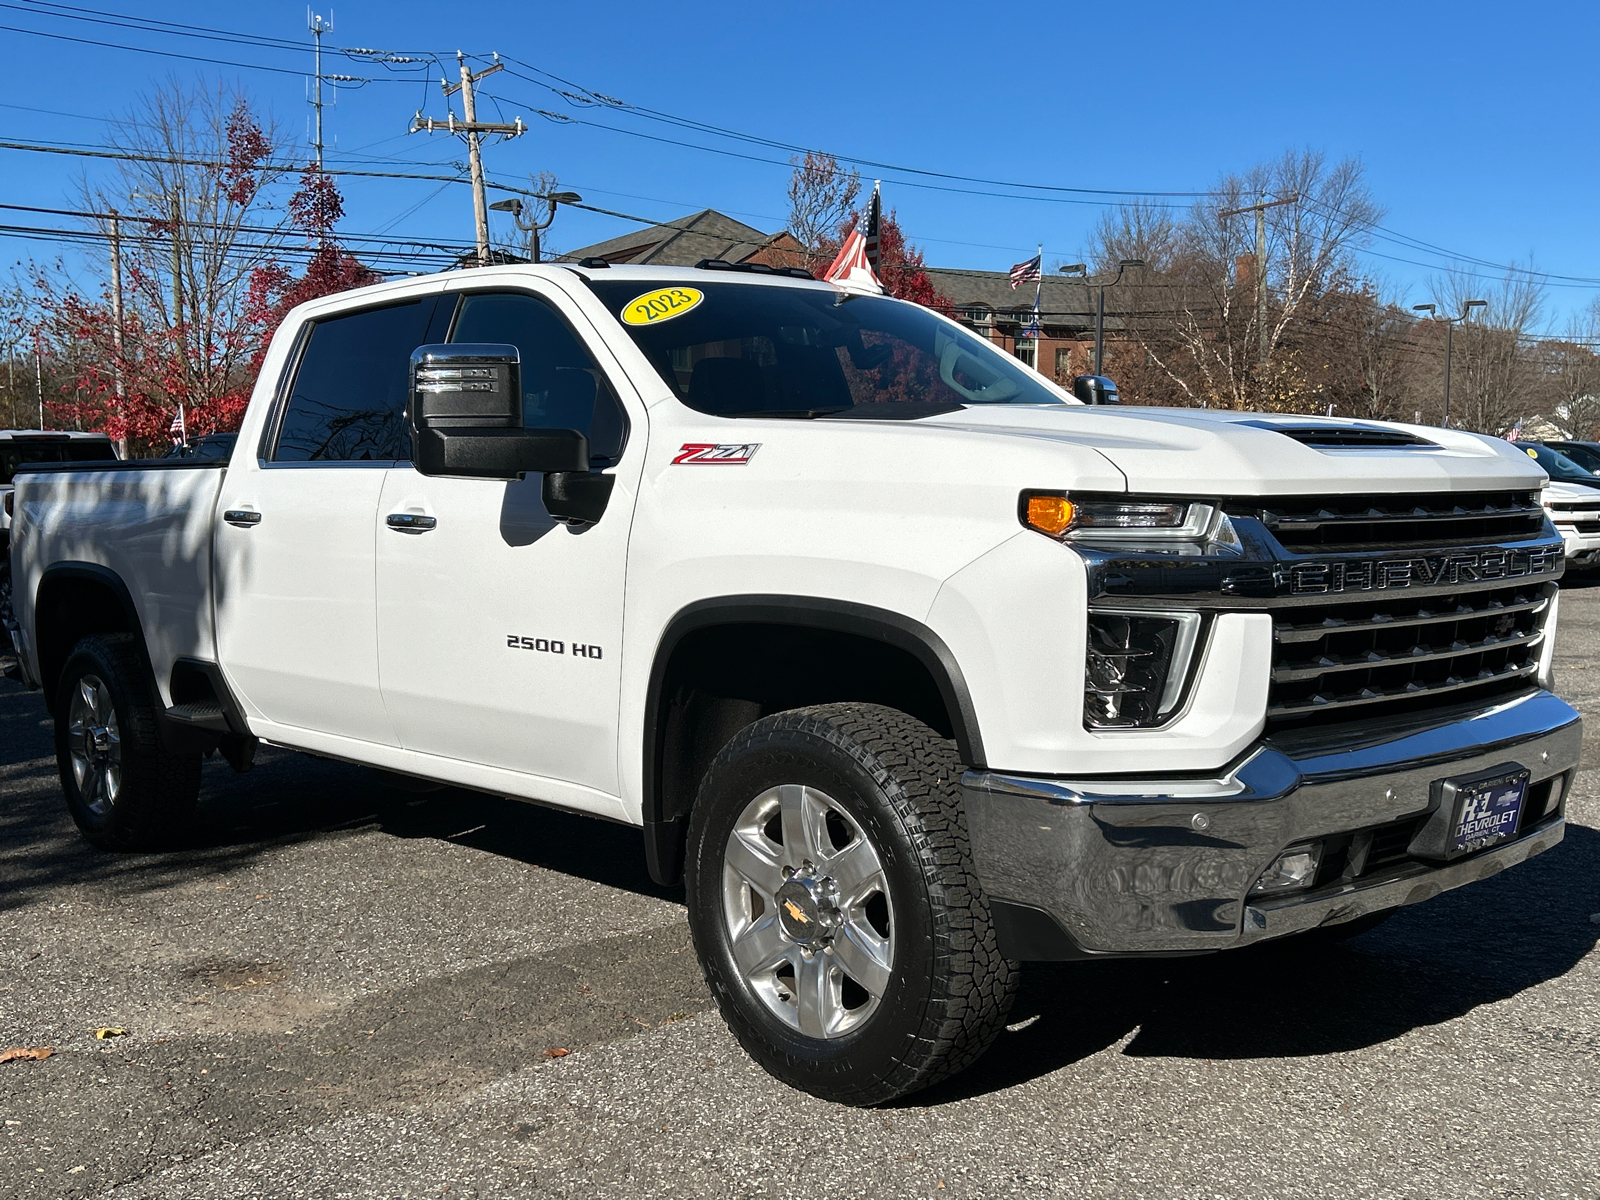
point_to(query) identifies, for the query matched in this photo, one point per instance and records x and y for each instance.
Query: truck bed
(148, 523)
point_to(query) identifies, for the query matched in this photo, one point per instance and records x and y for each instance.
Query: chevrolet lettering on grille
(1416, 570)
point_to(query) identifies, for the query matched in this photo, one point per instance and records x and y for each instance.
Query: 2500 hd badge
(552, 646)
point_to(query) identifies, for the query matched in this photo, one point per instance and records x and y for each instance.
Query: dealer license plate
(1487, 812)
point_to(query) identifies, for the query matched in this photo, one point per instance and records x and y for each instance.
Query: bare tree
(1493, 379)
(1197, 318)
(1570, 372)
(1145, 229)
(822, 197)
(194, 233)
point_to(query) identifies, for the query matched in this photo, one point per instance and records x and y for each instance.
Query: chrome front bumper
(1116, 866)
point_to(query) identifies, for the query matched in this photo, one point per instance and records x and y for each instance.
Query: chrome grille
(1361, 522)
(1363, 658)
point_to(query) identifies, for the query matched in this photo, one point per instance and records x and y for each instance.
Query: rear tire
(124, 790)
(834, 906)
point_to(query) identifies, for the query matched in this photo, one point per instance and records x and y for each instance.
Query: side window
(348, 402)
(562, 387)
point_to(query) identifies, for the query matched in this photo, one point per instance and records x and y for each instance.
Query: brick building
(986, 302)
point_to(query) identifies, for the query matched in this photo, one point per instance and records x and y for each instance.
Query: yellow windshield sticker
(660, 305)
(1531, 454)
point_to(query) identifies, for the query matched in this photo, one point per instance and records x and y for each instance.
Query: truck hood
(1185, 451)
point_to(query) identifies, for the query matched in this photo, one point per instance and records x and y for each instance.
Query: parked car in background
(19, 446)
(1558, 466)
(1574, 509)
(1585, 454)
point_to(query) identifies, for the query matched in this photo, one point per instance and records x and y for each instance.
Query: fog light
(1295, 868)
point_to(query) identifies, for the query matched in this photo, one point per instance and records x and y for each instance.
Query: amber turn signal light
(1050, 515)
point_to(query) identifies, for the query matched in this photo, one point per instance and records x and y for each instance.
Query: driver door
(499, 628)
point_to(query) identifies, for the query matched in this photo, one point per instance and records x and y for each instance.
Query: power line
(221, 62)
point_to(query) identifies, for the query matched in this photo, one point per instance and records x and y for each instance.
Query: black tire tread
(160, 787)
(919, 773)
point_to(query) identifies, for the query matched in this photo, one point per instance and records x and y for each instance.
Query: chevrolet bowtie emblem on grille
(794, 911)
(1416, 570)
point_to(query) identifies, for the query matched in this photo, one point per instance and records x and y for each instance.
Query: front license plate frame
(1485, 809)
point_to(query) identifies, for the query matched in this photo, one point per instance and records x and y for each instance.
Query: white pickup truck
(910, 666)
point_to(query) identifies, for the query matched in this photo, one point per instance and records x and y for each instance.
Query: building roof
(1062, 301)
(681, 243)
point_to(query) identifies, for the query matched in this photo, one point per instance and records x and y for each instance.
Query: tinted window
(562, 388)
(1585, 456)
(348, 403)
(1559, 466)
(14, 454)
(744, 349)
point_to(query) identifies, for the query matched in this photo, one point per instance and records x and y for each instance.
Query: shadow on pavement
(1427, 965)
(286, 798)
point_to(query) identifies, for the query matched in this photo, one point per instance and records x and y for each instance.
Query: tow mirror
(1095, 389)
(466, 417)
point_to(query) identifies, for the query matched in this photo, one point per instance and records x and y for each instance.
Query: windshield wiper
(797, 413)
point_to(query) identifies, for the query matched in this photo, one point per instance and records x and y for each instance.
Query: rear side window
(348, 402)
(562, 387)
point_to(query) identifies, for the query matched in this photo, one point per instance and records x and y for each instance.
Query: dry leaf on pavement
(110, 1031)
(558, 1052)
(37, 1053)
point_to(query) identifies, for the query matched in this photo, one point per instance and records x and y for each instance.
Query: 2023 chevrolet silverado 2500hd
(908, 665)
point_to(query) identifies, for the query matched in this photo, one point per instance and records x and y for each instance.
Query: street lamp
(532, 228)
(1082, 271)
(1449, 340)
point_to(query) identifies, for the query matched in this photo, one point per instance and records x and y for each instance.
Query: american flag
(1027, 272)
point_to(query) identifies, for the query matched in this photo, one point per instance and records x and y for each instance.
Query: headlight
(1124, 521)
(1135, 666)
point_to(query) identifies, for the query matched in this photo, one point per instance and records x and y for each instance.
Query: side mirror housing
(465, 413)
(1095, 389)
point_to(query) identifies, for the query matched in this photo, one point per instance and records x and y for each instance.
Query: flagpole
(1038, 331)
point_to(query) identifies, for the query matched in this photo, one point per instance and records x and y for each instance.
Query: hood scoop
(1344, 437)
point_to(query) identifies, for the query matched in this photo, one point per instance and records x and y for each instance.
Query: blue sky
(1475, 123)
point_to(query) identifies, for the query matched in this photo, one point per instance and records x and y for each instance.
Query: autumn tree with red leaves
(822, 216)
(203, 280)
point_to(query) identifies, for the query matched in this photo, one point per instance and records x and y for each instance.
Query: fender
(664, 838)
(57, 573)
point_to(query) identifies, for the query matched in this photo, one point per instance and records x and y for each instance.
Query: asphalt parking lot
(343, 989)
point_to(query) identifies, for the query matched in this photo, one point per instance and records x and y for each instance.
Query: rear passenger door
(294, 543)
(500, 629)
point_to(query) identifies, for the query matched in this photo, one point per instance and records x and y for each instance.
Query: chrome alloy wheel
(95, 744)
(807, 908)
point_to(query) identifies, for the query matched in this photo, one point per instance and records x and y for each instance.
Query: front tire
(124, 789)
(834, 907)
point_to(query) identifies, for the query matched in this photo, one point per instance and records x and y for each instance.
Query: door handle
(410, 522)
(244, 518)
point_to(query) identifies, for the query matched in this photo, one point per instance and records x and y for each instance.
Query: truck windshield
(733, 350)
(14, 453)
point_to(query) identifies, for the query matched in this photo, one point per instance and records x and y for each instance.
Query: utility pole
(1260, 210)
(472, 129)
(318, 27)
(116, 320)
(38, 379)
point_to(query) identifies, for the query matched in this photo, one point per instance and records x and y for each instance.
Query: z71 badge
(703, 454)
